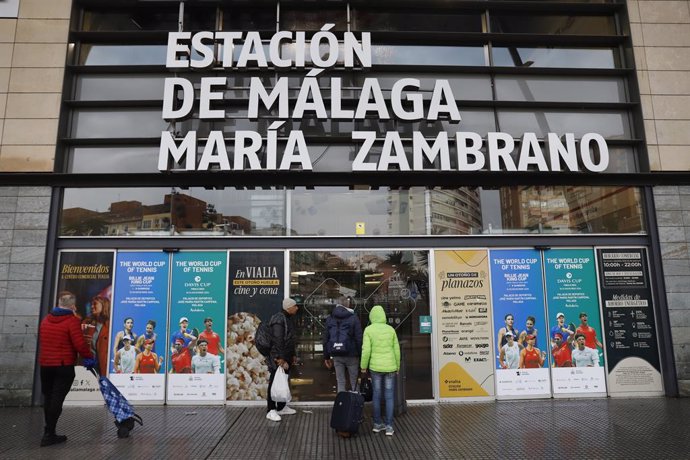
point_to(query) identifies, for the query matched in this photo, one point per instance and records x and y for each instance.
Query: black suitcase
(347, 413)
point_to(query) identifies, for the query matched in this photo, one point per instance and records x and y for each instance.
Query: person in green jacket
(381, 355)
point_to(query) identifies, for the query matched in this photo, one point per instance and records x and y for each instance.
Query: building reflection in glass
(340, 211)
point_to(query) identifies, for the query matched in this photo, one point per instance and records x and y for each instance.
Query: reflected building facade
(571, 209)
(456, 212)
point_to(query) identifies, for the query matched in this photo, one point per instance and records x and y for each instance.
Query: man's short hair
(200, 341)
(208, 318)
(583, 314)
(578, 335)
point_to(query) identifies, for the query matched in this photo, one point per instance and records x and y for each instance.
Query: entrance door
(396, 280)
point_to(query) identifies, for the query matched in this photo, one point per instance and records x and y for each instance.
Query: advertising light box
(519, 325)
(196, 372)
(140, 308)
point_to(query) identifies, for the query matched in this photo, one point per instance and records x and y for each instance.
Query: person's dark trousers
(271, 404)
(56, 382)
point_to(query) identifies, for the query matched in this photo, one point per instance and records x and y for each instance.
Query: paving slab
(633, 428)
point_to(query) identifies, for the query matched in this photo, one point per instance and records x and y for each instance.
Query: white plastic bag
(280, 391)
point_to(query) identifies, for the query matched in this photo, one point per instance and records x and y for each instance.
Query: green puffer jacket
(380, 348)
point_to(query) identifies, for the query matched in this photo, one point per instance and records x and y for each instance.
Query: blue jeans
(387, 379)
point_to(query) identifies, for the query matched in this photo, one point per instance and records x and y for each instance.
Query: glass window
(287, 51)
(553, 25)
(573, 58)
(121, 54)
(162, 18)
(119, 88)
(396, 280)
(611, 125)
(456, 211)
(365, 20)
(313, 20)
(196, 211)
(560, 89)
(319, 128)
(338, 211)
(89, 124)
(622, 160)
(250, 19)
(562, 209)
(238, 83)
(113, 159)
(464, 87)
(416, 55)
(197, 19)
(332, 157)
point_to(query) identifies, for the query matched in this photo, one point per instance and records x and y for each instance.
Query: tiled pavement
(599, 428)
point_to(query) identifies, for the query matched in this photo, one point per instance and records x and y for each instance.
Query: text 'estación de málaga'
(252, 150)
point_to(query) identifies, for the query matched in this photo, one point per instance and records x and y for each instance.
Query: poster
(197, 327)
(256, 292)
(140, 307)
(630, 331)
(577, 355)
(518, 311)
(463, 312)
(88, 276)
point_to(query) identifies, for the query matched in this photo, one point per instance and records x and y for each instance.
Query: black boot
(49, 438)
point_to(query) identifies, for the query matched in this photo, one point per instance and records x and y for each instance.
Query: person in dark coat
(342, 345)
(282, 354)
(60, 339)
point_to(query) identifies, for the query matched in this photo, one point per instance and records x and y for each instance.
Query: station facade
(478, 168)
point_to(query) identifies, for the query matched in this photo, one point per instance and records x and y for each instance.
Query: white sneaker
(273, 416)
(287, 411)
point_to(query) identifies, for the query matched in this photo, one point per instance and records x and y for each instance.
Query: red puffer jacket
(60, 339)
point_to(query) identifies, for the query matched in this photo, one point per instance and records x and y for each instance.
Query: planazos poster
(464, 323)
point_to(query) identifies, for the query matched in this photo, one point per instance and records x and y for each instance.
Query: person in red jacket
(60, 339)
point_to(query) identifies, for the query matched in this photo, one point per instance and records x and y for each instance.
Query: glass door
(396, 280)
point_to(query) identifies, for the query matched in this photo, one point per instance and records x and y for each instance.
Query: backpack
(339, 340)
(263, 339)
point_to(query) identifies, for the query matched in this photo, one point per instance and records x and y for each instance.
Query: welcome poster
(631, 342)
(464, 326)
(573, 312)
(198, 302)
(88, 276)
(518, 304)
(140, 309)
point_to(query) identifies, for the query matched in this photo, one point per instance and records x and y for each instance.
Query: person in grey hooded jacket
(342, 345)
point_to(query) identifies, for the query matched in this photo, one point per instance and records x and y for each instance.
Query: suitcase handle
(362, 375)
